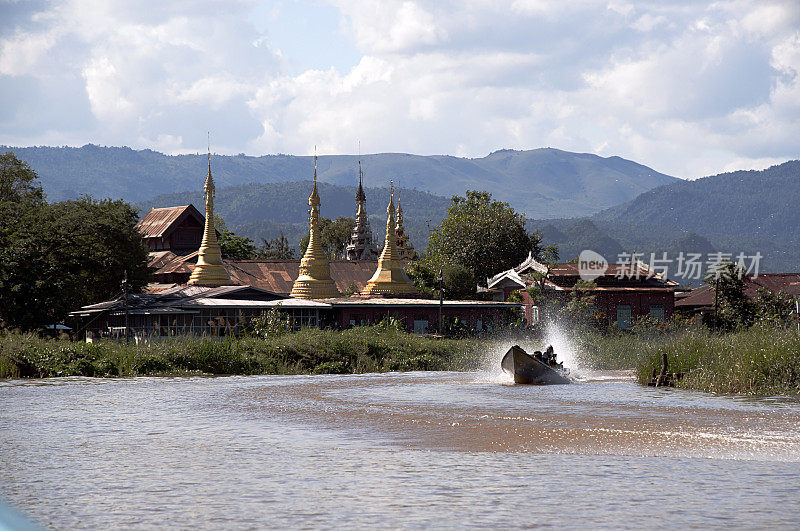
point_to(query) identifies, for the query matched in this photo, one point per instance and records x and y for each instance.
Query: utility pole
(125, 289)
(797, 311)
(716, 303)
(441, 301)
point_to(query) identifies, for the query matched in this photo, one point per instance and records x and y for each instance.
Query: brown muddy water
(394, 450)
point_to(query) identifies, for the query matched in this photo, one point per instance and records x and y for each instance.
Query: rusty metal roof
(278, 276)
(161, 221)
(703, 296)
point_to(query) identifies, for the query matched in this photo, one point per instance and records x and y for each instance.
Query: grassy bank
(311, 351)
(760, 361)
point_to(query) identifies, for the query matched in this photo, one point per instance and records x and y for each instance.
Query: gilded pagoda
(389, 278)
(361, 246)
(314, 280)
(209, 270)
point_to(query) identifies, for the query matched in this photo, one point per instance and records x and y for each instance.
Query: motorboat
(527, 369)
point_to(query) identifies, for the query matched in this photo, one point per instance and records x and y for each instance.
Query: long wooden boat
(526, 369)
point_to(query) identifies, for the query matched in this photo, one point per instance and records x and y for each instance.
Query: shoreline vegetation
(763, 360)
(378, 348)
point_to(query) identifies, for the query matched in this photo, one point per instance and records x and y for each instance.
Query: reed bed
(309, 351)
(762, 360)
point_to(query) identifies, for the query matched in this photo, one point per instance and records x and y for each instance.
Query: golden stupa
(209, 270)
(314, 280)
(389, 279)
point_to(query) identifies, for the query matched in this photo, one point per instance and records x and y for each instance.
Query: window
(624, 316)
(657, 312)
(420, 326)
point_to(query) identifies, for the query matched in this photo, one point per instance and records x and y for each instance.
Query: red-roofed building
(624, 292)
(701, 299)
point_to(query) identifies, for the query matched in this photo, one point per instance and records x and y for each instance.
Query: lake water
(394, 450)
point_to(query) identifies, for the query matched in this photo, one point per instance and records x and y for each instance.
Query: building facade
(623, 294)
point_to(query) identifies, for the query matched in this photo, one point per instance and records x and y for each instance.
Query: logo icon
(591, 265)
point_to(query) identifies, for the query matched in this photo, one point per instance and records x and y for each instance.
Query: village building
(177, 230)
(623, 293)
(701, 300)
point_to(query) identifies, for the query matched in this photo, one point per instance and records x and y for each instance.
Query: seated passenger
(550, 356)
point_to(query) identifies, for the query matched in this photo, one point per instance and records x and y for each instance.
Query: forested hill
(543, 183)
(763, 204)
(264, 210)
(742, 211)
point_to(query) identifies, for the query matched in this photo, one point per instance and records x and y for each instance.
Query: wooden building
(623, 293)
(175, 229)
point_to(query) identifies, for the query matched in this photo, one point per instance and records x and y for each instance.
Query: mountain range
(577, 201)
(738, 212)
(543, 183)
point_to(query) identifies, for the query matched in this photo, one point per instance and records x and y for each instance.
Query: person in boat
(538, 355)
(550, 356)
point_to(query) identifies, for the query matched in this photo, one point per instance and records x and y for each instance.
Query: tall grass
(357, 350)
(761, 360)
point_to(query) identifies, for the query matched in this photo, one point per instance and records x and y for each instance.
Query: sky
(689, 88)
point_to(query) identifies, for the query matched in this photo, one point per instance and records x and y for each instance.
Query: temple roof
(159, 222)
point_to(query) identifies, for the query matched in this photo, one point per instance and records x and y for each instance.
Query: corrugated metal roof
(159, 221)
(183, 263)
(278, 276)
(282, 303)
(391, 301)
(703, 296)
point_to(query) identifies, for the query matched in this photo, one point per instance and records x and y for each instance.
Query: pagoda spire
(314, 280)
(404, 246)
(389, 278)
(361, 246)
(209, 270)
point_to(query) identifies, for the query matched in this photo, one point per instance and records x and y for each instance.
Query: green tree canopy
(335, 236)
(64, 255)
(276, 249)
(734, 307)
(18, 182)
(457, 280)
(233, 246)
(484, 236)
(55, 258)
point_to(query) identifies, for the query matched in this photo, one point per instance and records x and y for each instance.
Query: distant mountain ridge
(744, 211)
(543, 183)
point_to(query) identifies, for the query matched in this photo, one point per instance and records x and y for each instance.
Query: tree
(233, 246)
(334, 236)
(64, 255)
(18, 182)
(485, 236)
(734, 308)
(275, 249)
(458, 281)
(774, 306)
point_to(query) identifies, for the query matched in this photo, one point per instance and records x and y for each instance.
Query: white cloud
(687, 88)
